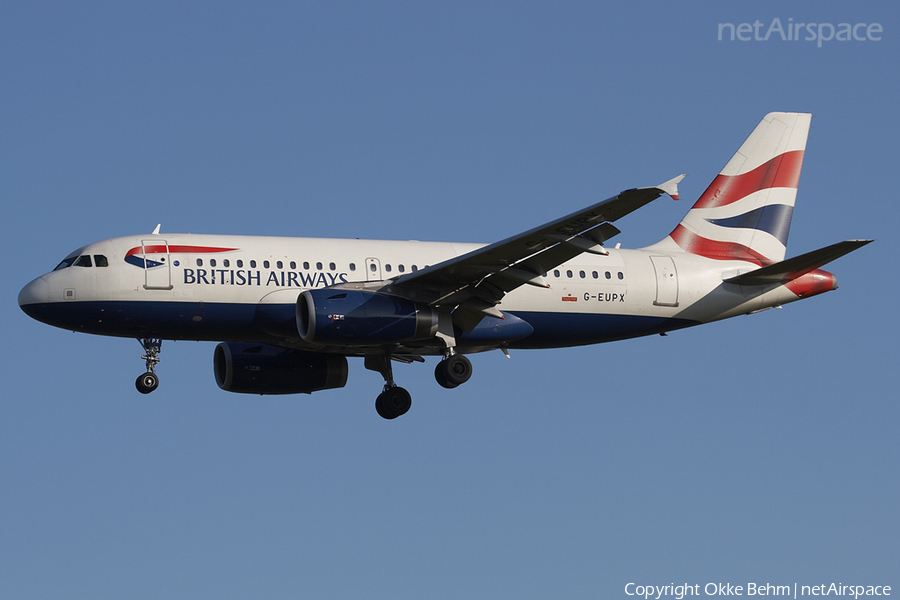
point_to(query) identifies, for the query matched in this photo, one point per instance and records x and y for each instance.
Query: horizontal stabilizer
(792, 268)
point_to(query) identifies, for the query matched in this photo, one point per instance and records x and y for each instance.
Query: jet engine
(262, 369)
(360, 318)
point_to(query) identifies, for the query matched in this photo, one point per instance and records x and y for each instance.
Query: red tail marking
(781, 171)
(693, 243)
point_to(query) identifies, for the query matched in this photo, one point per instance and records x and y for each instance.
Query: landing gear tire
(393, 402)
(147, 382)
(453, 371)
(440, 378)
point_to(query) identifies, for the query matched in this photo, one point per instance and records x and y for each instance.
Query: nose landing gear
(148, 382)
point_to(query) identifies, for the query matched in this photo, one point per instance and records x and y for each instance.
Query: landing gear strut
(454, 370)
(394, 401)
(148, 382)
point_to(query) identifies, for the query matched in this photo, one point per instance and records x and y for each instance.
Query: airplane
(289, 311)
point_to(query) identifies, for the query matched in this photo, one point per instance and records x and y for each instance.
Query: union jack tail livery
(745, 213)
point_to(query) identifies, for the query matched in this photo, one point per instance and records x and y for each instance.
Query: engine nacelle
(360, 318)
(262, 369)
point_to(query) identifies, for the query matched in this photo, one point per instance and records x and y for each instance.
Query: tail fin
(745, 213)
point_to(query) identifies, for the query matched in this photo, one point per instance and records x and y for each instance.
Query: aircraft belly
(559, 330)
(168, 320)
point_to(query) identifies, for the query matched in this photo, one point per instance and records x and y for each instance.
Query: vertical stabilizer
(745, 213)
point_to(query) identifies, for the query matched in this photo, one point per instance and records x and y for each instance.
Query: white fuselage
(244, 288)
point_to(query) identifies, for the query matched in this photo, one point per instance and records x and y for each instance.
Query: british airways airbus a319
(289, 311)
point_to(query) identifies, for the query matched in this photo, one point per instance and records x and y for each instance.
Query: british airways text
(298, 279)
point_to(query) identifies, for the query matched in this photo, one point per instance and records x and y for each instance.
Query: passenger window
(332, 266)
(595, 275)
(556, 272)
(387, 268)
(100, 260)
(352, 266)
(199, 262)
(212, 262)
(581, 274)
(608, 275)
(240, 264)
(415, 268)
(226, 263)
(319, 266)
(305, 266)
(293, 266)
(252, 264)
(372, 267)
(265, 264)
(621, 275)
(279, 264)
(569, 274)
(401, 268)
(83, 261)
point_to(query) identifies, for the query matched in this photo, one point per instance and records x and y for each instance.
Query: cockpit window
(100, 260)
(84, 261)
(67, 262)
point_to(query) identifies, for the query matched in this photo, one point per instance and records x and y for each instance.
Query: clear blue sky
(760, 449)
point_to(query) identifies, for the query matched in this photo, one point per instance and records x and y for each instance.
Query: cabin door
(157, 266)
(666, 281)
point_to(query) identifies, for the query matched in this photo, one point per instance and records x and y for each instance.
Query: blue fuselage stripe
(272, 322)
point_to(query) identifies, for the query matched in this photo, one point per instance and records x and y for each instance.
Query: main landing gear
(454, 370)
(148, 382)
(394, 401)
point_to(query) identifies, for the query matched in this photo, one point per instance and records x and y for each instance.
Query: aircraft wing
(476, 282)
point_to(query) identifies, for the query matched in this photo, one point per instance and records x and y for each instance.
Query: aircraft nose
(35, 293)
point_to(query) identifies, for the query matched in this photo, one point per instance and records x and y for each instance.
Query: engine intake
(262, 369)
(360, 318)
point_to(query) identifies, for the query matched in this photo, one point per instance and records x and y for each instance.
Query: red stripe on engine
(782, 171)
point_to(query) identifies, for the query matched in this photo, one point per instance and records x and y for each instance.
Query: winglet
(670, 187)
(156, 231)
